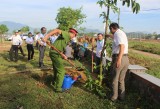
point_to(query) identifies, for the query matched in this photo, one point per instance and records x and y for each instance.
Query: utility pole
(118, 16)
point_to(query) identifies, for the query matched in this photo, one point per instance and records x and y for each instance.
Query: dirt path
(4, 47)
(145, 53)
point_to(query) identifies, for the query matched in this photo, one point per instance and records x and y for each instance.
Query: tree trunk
(104, 46)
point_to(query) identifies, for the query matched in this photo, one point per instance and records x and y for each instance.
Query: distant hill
(87, 30)
(14, 26)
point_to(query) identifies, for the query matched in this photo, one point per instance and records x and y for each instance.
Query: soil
(4, 47)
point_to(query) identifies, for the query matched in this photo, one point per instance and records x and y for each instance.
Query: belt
(116, 55)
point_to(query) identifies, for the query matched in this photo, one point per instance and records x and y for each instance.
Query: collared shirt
(16, 40)
(68, 51)
(53, 39)
(119, 37)
(41, 36)
(29, 40)
(36, 37)
(99, 48)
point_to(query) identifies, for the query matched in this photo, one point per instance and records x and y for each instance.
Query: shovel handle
(54, 48)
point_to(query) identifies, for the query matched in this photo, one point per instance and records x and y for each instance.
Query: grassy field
(152, 64)
(33, 89)
(147, 46)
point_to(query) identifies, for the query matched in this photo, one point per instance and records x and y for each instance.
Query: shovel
(54, 48)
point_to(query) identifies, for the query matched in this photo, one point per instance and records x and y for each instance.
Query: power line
(156, 9)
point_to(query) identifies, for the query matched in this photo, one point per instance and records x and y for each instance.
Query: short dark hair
(43, 28)
(99, 34)
(29, 33)
(114, 26)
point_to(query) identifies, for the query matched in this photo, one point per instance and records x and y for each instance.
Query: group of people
(66, 43)
(17, 41)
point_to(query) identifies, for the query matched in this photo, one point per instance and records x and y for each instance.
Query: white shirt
(36, 37)
(74, 39)
(99, 48)
(119, 37)
(41, 36)
(68, 51)
(53, 39)
(16, 40)
(29, 40)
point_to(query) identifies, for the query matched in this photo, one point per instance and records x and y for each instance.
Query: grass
(152, 64)
(151, 47)
(34, 90)
(28, 90)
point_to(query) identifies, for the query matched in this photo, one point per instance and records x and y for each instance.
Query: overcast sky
(38, 13)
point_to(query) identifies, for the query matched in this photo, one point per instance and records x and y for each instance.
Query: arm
(109, 35)
(20, 41)
(121, 52)
(56, 31)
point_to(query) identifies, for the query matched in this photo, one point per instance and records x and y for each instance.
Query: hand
(100, 53)
(64, 56)
(92, 48)
(44, 40)
(118, 64)
(108, 35)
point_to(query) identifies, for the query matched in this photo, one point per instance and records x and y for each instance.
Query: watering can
(68, 81)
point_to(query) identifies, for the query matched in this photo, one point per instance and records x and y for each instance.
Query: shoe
(113, 99)
(121, 98)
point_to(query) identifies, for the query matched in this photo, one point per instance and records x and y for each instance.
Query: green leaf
(123, 3)
(128, 3)
(115, 2)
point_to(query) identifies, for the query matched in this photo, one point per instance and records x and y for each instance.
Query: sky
(38, 13)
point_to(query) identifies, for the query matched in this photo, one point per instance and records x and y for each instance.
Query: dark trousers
(98, 64)
(30, 51)
(13, 53)
(37, 45)
(21, 50)
(41, 54)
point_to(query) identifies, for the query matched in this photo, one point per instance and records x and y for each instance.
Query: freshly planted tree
(112, 5)
(69, 18)
(3, 30)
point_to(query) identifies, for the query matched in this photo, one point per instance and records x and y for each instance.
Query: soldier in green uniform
(57, 61)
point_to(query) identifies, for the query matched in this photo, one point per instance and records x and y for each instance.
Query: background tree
(112, 5)
(3, 30)
(69, 18)
(25, 29)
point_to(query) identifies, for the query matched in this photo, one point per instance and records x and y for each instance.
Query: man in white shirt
(120, 61)
(99, 45)
(16, 42)
(42, 46)
(30, 42)
(36, 39)
(20, 46)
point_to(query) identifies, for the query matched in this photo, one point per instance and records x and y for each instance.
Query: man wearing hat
(16, 41)
(57, 62)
